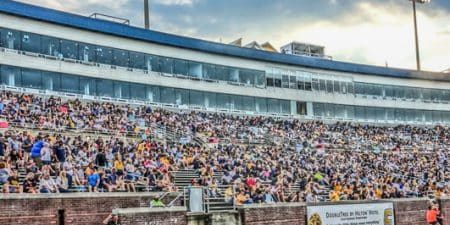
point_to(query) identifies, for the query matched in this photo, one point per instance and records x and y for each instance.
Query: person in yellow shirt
(118, 165)
(241, 198)
(334, 196)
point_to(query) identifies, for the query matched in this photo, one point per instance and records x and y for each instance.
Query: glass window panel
(105, 88)
(261, 105)
(329, 86)
(390, 114)
(70, 83)
(277, 80)
(104, 55)
(247, 104)
(399, 115)
(86, 52)
(138, 91)
(196, 98)
(350, 112)
(11, 75)
(445, 117)
(246, 77)
(293, 82)
(88, 86)
(371, 113)
(181, 97)
(121, 90)
(329, 110)
(308, 86)
(436, 116)
(121, 58)
(260, 78)
(31, 78)
(399, 92)
(360, 113)
(428, 116)
(210, 100)
(318, 109)
(31, 42)
(285, 106)
(195, 69)
(208, 71)
(273, 105)
(153, 94)
(51, 81)
(50, 46)
(153, 63)
(232, 74)
(285, 81)
(339, 111)
(221, 73)
(350, 88)
(380, 114)
(315, 84)
(137, 60)
(69, 49)
(360, 89)
(419, 115)
(223, 101)
(270, 82)
(301, 108)
(165, 65)
(180, 67)
(322, 85)
(10, 39)
(167, 95)
(389, 91)
(337, 86)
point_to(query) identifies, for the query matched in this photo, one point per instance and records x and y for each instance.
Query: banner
(351, 214)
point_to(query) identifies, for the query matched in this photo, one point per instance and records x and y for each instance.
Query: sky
(376, 32)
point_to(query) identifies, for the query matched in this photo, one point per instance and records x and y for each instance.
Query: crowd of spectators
(297, 160)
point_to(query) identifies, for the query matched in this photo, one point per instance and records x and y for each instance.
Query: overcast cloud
(362, 31)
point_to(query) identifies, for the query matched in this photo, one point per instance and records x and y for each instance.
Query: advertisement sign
(352, 214)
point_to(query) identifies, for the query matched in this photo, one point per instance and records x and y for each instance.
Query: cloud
(175, 2)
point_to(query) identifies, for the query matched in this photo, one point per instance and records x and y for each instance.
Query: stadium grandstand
(90, 105)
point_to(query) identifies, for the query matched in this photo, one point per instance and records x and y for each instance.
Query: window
(11, 75)
(70, 83)
(50, 46)
(260, 78)
(10, 39)
(167, 95)
(86, 53)
(322, 85)
(51, 81)
(195, 69)
(208, 71)
(69, 49)
(181, 97)
(153, 94)
(246, 77)
(223, 101)
(301, 108)
(210, 100)
(196, 98)
(138, 92)
(261, 105)
(88, 86)
(273, 106)
(293, 82)
(104, 55)
(121, 58)
(121, 90)
(137, 60)
(247, 103)
(165, 65)
(31, 42)
(180, 67)
(270, 82)
(105, 88)
(31, 78)
(285, 81)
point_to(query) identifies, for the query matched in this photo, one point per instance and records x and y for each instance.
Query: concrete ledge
(145, 210)
(274, 205)
(83, 195)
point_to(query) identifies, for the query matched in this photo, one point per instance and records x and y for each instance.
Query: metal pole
(146, 15)
(416, 36)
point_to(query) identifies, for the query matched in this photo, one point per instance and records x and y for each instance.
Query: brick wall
(156, 216)
(280, 214)
(410, 211)
(79, 208)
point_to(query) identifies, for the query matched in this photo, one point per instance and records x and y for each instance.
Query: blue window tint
(180, 67)
(121, 58)
(153, 94)
(223, 101)
(11, 75)
(165, 65)
(247, 104)
(195, 69)
(104, 55)
(181, 97)
(31, 42)
(247, 77)
(51, 81)
(69, 49)
(167, 95)
(88, 86)
(137, 60)
(273, 106)
(105, 88)
(261, 105)
(70, 83)
(208, 71)
(210, 100)
(10, 39)
(138, 91)
(31, 78)
(121, 90)
(86, 52)
(196, 98)
(152, 63)
(50, 46)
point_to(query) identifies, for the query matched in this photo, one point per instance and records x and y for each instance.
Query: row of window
(402, 92)
(29, 78)
(335, 111)
(61, 48)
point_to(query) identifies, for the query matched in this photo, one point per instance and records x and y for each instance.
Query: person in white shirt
(46, 154)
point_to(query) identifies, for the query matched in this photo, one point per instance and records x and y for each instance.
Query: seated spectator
(47, 184)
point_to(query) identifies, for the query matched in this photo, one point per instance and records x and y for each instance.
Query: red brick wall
(410, 211)
(80, 209)
(158, 216)
(283, 214)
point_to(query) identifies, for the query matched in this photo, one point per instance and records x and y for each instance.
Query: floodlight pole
(146, 15)
(416, 36)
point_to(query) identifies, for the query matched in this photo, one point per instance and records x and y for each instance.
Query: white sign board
(352, 214)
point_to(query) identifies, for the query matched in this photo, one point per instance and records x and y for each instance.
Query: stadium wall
(69, 209)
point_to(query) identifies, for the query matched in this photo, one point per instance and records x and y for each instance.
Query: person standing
(431, 215)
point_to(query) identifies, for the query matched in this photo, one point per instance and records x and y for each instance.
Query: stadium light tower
(415, 29)
(146, 15)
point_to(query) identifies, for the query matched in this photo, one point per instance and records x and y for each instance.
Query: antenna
(146, 14)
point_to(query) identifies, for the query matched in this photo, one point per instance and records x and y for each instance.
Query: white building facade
(57, 52)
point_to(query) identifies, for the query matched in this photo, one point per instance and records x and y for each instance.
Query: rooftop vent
(305, 49)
